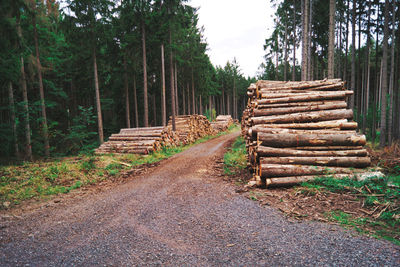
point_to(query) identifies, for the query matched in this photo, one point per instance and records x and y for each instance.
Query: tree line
(357, 41)
(72, 72)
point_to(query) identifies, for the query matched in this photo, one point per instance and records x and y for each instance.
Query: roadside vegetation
(371, 207)
(42, 180)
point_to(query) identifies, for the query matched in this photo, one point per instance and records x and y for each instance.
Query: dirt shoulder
(181, 212)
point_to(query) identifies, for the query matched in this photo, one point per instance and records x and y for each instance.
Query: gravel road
(180, 213)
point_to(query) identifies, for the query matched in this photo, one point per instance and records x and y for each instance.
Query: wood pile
(222, 122)
(189, 128)
(139, 140)
(296, 131)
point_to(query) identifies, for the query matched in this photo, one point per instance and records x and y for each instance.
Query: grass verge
(43, 179)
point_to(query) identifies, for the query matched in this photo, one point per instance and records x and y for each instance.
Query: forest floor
(370, 207)
(180, 212)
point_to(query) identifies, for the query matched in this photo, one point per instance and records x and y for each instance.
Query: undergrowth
(43, 179)
(380, 198)
(235, 159)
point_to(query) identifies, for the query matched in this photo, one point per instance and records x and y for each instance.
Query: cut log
(290, 140)
(314, 116)
(291, 180)
(280, 170)
(297, 104)
(296, 131)
(287, 110)
(308, 97)
(358, 162)
(324, 148)
(285, 152)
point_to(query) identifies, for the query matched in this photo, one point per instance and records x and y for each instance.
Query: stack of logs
(139, 140)
(189, 128)
(296, 131)
(222, 122)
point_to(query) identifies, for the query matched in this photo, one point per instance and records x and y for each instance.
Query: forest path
(180, 213)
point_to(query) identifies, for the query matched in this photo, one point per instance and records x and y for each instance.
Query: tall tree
(384, 92)
(331, 48)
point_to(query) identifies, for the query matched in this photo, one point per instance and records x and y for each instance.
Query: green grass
(235, 159)
(42, 179)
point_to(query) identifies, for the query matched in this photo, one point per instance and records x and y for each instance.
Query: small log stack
(295, 131)
(189, 128)
(139, 140)
(222, 122)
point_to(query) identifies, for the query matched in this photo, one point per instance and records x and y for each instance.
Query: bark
(313, 116)
(98, 104)
(135, 102)
(367, 72)
(287, 110)
(126, 85)
(172, 83)
(285, 52)
(358, 162)
(353, 53)
(331, 48)
(188, 100)
(41, 88)
(145, 99)
(316, 96)
(347, 41)
(294, 41)
(336, 124)
(193, 96)
(284, 152)
(288, 140)
(154, 109)
(382, 140)
(284, 181)
(184, 100)
(305, 18)
(298, 104)
(176, 89)
(391, 82)
(163, 101)
(279, 170)
(13, 120)
(309, 63)
(210, 104)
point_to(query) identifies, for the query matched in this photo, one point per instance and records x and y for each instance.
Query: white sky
(236, 28)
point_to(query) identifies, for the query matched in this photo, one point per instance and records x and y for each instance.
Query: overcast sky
(236, 28)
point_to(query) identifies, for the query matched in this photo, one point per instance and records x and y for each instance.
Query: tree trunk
(294, 41)
(304, 58)
(331, 48)
(391, 82)
(154, 110)
(193, 96)
(172, 83)
(98, 104)
(145, 100)
(306, 97)
(288, 110)
(163, 102)
(279, 170)
(189, 109)
(41, 89)
(183, 100)
(135, 102)
(126, 85)
(312, 116)
(13, 120)
(290, 140)
(358, 162)
(367, 72)
(309, 63)
(176, 89)
(285, 52)
(284, 152)
(340, 124)
(347, 41)
(382, 142)
(353, 54)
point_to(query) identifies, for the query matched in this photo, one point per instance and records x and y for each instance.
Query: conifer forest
(73, 72)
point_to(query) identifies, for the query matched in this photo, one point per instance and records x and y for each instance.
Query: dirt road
(180, 213)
